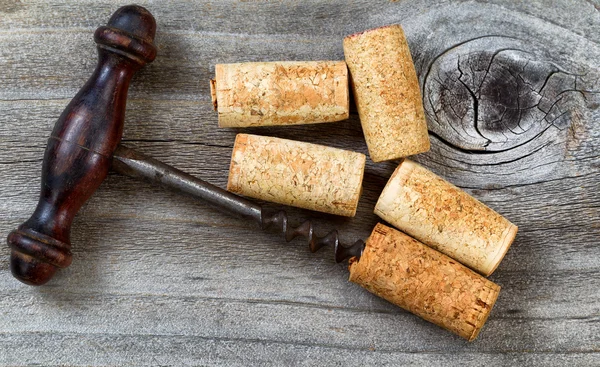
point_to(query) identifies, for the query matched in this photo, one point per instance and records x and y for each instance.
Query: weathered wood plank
(512, 95)
(247, 320)
(275, 17)
(167, 350)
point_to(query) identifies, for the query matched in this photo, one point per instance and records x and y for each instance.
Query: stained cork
(441, 215)
(295, 173)
(386, 91)
(423, 281)
(280, 93)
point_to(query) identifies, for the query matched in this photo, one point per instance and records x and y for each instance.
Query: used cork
(441, 215)
(421, 280)
(295, 173)
(280, 93)
(387, 93)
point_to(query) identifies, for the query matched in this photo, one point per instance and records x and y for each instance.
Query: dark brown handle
(80, 149)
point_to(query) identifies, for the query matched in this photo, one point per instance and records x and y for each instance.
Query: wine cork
(441, 215)
(280, 93)
(387, 93)
(421, 280)
(295, 173)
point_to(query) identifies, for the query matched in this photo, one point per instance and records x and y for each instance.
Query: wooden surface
(512, 94)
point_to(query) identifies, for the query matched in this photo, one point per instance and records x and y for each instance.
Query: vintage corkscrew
(81, 150)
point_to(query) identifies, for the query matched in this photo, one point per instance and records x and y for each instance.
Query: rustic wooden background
(512, 93)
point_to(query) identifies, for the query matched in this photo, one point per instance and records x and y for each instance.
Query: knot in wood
(494, 94)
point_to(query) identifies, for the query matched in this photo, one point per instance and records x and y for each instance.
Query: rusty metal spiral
(306, 229)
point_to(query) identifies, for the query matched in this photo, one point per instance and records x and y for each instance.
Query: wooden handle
(80, 149)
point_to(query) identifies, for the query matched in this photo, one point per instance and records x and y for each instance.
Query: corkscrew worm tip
(315, 243)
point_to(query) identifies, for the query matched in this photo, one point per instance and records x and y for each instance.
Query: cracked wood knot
(494, 94)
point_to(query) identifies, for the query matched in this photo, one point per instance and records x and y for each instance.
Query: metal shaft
(131, 163)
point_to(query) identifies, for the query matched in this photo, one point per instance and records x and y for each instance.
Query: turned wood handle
(80, 149)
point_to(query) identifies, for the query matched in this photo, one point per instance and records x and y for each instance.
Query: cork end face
(403, 171)
(361, 163)
(239, 146)
(487, 306)
(507, 239)
(378, 157)
(355, 268)
(397, 149)
(359, 267)
(342, 90)
(391, 191)
(426, 146)
(358, 34)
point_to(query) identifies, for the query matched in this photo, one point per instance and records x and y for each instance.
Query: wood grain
(211, 290)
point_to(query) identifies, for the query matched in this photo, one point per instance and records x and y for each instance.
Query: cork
(304, 175)
(386, 91)
(441, 215)
(280, 93)
(421, 280)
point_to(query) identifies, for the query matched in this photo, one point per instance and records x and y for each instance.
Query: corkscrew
(134, 164)
(82, 148)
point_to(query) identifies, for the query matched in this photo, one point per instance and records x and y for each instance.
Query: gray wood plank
(167, 350)
(512, 94)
